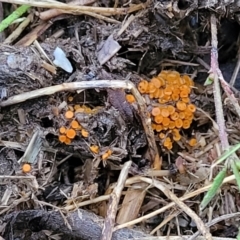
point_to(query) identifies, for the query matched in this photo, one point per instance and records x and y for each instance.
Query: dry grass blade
(113, 203)
(70, 8)
(132, 203)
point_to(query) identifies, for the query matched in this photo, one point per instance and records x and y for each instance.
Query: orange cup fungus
(192, 142)
(172, 109)
(62, 130)
(75, 125)
(71, 133)
(156, 111)
(130, 98)
(69, 114)
(85, 133)
(67, 134)
(106, 155)
(94, 149)
(26, 168)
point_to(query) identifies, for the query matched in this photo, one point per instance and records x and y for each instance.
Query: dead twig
(217, 93)
(113, 203)
(115, 84)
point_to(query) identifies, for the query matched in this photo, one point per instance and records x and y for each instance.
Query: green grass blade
(238, 236)
(227, 154)
(209, 80)
(237, 164)
(236, 173)
(13, 16)
(217, 182)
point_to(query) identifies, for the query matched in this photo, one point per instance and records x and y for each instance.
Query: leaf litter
(117, 163)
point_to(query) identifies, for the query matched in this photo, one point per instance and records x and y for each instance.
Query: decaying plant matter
(121, 109)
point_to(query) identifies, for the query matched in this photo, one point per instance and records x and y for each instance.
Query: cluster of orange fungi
(171, 109)
(67, 134)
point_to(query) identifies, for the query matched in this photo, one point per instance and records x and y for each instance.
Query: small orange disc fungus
(176, 135)
(178, 123)
(62, 138)
(159, 128)
(143, 86)
(165, 121)
(172, 75)
(181, 115)
(191, 108)
(177, 138)
(26, 168)
(171, 125)
(94, 149)
(181, 105)
(85, 133)
(174, 116)
(192, 142)
(156, 82)
(188, 114)
(158, 119)
(75, 124)
(185, 88)
(157, 93)
(69, 114)
(163, 74)
(188, 80)
(186, 99)
(62, 130)
(156, 111)
(68, 141)
(151, 88)
(161, 93)
(162, 135)
(167, 91)
(176, 91)
(171, 109)
(186, 124)
(71, 133)
(162, 80)
(164, 112)
(106, 155)
(167, 143)
(184, 93)
(175, 97)
(130, 98)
